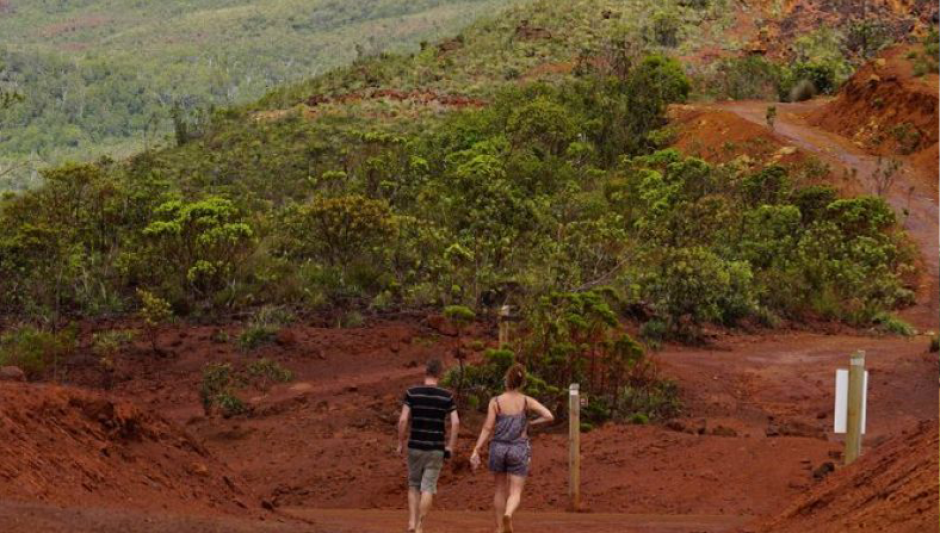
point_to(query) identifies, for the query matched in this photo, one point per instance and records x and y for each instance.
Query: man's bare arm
(454, 430)
(403, 427)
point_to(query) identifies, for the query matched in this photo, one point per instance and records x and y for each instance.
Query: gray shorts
(510, 458)
(424, 467)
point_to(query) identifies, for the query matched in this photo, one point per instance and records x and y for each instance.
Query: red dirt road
(32, 518)
(548, 522)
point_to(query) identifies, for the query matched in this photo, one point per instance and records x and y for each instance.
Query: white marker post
(852, 405)
(574, 447)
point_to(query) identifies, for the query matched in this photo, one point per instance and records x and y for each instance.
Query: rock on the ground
(12, 373)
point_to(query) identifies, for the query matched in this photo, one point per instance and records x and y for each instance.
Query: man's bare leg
(414, 498)
(424, 507)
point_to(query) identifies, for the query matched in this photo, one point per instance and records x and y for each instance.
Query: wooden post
(853, 436)
(504, 324)
(574, 447)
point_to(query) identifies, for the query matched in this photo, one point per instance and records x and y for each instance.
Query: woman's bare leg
(516, 484)
(499, 499)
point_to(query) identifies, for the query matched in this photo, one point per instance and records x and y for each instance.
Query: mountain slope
(105, 76)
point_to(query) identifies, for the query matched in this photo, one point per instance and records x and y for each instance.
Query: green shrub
(459, 314)
(654, 332)
(257, 335)
(263, 327)
(34, 350)
(867, 37)
(219, 385)
(928, 60)
(155, 312)
(351, 319)
(893, 325)
(658, 400)
(267, 371)
(484, 381)
(665, 29)
(743, 78)
(230, 405)
(108, 343)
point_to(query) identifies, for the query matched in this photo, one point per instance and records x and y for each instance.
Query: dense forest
(109, 76)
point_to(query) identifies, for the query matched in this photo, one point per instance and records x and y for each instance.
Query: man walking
(425, 408)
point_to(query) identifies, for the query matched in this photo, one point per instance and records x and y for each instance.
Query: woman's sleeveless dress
(510, 452)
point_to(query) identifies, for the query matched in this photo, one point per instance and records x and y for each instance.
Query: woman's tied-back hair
(515, 377)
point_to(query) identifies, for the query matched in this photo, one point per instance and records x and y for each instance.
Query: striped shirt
(429, 407)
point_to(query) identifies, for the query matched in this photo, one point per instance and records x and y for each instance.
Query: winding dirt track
(914, 191)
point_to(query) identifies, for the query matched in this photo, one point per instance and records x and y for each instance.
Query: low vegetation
(927, 60)
(576, 338)
(37, 351)
(264, 326)
(222, 383)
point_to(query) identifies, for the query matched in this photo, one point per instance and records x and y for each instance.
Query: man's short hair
(435, 368)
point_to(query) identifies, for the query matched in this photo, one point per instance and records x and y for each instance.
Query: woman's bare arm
(544, 415)
(487, 428)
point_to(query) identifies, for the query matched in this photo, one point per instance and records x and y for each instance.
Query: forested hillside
(524, 157)
(109, 76)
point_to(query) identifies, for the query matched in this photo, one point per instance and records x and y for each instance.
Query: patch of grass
(267, 371)
(106, 343)
(891, 324)
(351, 319)
(264, 326)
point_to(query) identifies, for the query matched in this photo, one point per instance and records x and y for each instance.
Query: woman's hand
(475, 460)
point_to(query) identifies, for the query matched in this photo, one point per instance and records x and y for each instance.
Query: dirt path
(37, 518)
(555, 522)
(913, 191)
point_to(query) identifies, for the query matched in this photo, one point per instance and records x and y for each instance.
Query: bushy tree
(199, 245)
(692, 286)
(340, 230)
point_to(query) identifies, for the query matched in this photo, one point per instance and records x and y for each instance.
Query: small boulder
(12, 373)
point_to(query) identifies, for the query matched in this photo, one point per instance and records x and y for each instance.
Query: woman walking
(507, 421)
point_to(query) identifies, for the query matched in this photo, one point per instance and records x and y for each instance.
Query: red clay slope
(70, 447)
(887, 110)
(894, 489)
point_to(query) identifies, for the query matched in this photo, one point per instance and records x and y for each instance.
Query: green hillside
(106, 76)
(525, 158)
